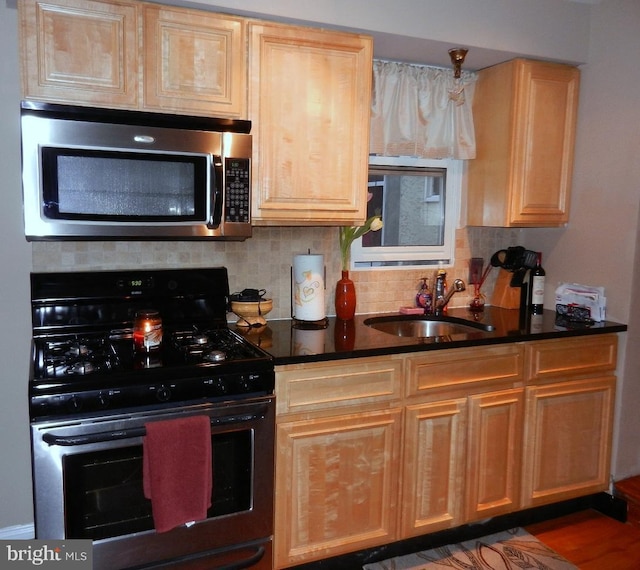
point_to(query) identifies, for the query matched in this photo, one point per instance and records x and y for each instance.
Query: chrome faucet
(442, 299)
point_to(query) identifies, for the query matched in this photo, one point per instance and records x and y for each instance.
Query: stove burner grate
(78, 357)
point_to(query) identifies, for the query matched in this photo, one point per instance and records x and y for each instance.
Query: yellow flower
(351, 233)
(376, 224)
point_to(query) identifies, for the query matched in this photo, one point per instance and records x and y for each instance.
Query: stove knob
(103, 400)
(74, 404)
(163, 394)
(215, 387)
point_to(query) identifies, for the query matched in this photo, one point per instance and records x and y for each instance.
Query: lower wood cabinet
(568, 440)
(433, 473)
(374, 450)
(569, 410)
(463, 434)
(494, 453)
(336, 485)
(462, 460)
(338, 433)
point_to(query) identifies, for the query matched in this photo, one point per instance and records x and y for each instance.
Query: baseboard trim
(612, 506)
(602, 502)
(18, 532)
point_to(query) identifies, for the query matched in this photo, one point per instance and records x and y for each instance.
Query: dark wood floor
(591, 540)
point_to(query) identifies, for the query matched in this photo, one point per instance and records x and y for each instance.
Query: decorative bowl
(251, 313)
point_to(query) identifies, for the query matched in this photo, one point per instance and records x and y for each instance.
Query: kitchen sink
(426, 325)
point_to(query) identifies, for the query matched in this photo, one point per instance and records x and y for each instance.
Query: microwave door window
(125, 186)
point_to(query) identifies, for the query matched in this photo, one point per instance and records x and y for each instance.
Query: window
(418, 200)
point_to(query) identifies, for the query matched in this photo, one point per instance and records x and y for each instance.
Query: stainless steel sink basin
(426, 326)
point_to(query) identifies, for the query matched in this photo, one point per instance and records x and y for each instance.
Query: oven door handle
(247, 562)
(105, 436)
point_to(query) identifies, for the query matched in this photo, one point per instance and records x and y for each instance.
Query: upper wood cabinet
(134, 55)
(194, 62)
(80, 51)
(525, 119)
(309, 101)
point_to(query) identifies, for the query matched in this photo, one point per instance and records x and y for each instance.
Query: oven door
(88, 484)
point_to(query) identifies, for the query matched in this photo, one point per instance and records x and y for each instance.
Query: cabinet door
(336, 485)
(80, 51)
(525, 118)
(567, 439)
(546, 111)
(310, 93)
(194, 62)
(433, 467)
(494, 455)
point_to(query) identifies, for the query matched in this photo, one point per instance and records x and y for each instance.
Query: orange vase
(345, 298)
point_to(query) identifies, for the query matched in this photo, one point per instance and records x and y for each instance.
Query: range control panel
(237, 190)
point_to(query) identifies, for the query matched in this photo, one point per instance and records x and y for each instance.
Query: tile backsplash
(264, 262)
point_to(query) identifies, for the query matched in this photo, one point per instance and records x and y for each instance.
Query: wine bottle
(537, 287)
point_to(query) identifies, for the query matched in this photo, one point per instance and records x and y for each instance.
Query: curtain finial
(457, 56)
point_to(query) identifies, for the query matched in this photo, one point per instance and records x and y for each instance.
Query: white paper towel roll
(308, 287)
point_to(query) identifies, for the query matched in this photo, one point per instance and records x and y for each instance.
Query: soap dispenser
(424, 299)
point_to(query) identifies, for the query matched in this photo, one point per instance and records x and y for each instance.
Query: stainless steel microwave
(108, 174)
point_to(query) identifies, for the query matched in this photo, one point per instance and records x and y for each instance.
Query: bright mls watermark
(46, 554)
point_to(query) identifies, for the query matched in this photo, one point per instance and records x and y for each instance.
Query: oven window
(104, 496)
(122, 186)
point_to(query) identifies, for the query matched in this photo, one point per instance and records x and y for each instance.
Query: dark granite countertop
(289, 344)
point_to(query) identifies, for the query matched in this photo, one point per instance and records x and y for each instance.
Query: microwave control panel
(237, 190)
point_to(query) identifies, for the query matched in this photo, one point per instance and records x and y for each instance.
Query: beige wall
(598, 246)
(15, 264)
(423, 31)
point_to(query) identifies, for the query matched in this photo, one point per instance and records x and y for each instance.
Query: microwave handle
(217, 194)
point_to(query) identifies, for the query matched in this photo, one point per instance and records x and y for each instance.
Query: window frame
(407, 257)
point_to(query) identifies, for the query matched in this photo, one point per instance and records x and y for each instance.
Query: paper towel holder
(302, 323)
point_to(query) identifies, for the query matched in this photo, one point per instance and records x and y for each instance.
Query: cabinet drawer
(312, 387)
(560, 357)
(464, 366)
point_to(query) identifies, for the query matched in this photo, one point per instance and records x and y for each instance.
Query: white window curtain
(421, 111)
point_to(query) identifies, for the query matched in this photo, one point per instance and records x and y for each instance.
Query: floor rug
(514, 549)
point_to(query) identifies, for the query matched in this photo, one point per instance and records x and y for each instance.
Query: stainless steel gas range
(115, 350)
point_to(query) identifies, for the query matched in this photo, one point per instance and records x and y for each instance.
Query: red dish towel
(176, 470)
